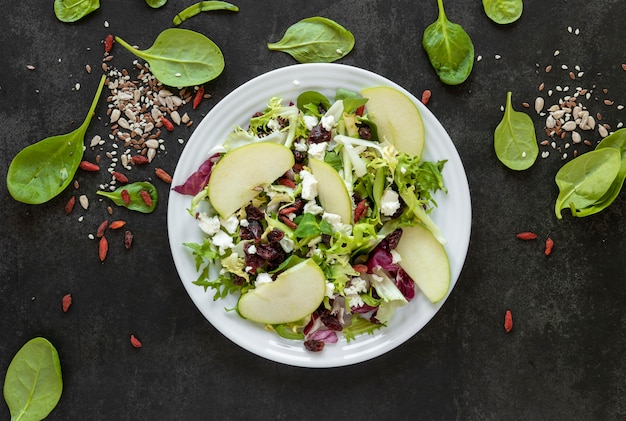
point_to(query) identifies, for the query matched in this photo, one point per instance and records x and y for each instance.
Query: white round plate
(453, 215)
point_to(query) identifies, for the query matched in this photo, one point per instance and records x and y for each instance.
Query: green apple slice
(425, 260)
(332, 191)
(397, 118)
(296, 293)
(238, 174)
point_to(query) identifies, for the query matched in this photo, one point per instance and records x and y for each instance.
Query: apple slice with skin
(425, 260)
(332, 191)
(397, 118)
(296, 293)
(238, 173)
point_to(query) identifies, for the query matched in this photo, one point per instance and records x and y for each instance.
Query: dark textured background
(562, 361)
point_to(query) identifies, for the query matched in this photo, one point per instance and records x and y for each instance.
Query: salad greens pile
(286, 223)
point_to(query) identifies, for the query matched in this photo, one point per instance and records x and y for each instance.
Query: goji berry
(125, 196)
(145, 196)
(360, 209)
(549, 246)
(135, 342)
(108, 43)
(115, 225)
(101, 228)
(426, 96)
(359, 111)
(66, 302)
(163, 175)
(139, 160)
(88, 166)
(527, 235)
(120, 177)
(360, 268)
(169, 126)
(69, 206)
(103, 248)
(198, 98)
(508, 321)
(287, 182)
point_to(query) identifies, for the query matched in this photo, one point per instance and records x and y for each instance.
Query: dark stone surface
(562, 361)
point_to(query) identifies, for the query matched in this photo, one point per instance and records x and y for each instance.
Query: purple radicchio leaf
(199, 179)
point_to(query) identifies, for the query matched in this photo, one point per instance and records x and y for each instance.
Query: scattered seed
(30, 67)
(539, 103)
(88, 68)
(548, 68)
(84, 201)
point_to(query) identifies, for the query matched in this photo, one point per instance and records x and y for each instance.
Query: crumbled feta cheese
(328, 122)
(330, 289)
(389, 203)
(313, 208)
(263, 278)
(273, 125)
(252, 249)
(310, 121)
(210, 225)
(332, 218)
(356, 286)
(287, 244)
(301, 145)
(230, 224)
(355, 300)
(309, 185)
(244, 223)
(222, 241)
(318, 150)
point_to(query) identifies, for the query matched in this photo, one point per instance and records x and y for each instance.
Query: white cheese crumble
(389, 203)
(310, 121)
(222, 241)
(230, 224)
(252, 249)
(309, 185)
(263, 278)
(209, 225)
(313, 208)
(273, 125)
(328, 122)
(318, 150)
(330, 289)
(287, 244)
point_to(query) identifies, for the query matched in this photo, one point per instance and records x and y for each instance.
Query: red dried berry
(103, 248)
(527, 235)
(66, 302)
(120, 177)
(198, 98)
(549, 246)
(508, 321)
(117, 224)
(426, 96)
(135, 342)
(101, 228)
(139, 160)
(69, 206)
(145, 196)
(88, 166)
(125, 196)
(169, 126)
(108, 43)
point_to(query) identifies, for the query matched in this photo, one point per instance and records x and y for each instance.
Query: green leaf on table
(503, 11)
(180, 57)
(514, 139)
(203, 6)
(134, 201)
(449, 48)
(73, 10)
(585, 180)
(42, 170)
(315, 40)
(33, 383)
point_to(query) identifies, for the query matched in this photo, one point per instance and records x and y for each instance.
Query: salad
(305, 213)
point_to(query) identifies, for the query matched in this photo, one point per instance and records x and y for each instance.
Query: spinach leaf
(73, 10)
(312, 97)
(155, 4)
(315, 40)
(203, 6)
(584, 181)
(615, 140)
(134, 200)
(42, 170)
(514, 139)
(503, 11)
(180, 57)
(449, 48)
(33, 383)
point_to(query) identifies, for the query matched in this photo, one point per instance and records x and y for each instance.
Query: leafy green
(180, 57)
(584, 181)
(136, 203)
(514, 139)
(308, 98)
(449, 48)
(315, 40)
(42, 170)
(589, 176)
(33, 383)
(203, 6)
(155, 4)
(73, 10)
(503, 11)
(358, 327)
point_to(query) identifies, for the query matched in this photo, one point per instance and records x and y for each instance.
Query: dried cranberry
(238, 280)
(400, 209)
(331, 322)
(314, 345)
(394, 238)
(253, 231)
(253, 261)
(326, 239)
(275, 235)
(318, 135)
(298, 157)
(254, 214)
(365, 133)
